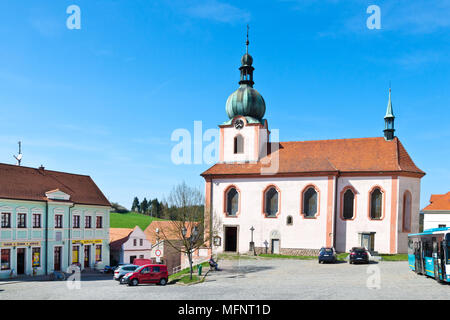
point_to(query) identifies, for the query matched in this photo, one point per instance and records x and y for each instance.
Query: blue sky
(104, 100)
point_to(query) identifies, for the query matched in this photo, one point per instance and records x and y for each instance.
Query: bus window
(447, 242)
(410, 246)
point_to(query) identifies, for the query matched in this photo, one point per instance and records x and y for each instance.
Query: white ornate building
(299, 196)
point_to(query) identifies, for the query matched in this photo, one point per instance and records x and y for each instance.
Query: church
(295, 197)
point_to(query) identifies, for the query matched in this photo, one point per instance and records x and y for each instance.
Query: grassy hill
(130, 220)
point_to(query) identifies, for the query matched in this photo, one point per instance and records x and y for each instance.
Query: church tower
(244, 137)
(389, 120)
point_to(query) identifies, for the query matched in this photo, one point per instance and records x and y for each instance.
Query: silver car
(123, 270)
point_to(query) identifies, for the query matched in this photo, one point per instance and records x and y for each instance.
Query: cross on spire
(247, 42)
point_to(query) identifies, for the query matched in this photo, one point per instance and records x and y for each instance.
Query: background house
(437, 213)
(128, 244)
(170, 254)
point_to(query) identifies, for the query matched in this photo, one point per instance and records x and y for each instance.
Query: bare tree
(188, 231)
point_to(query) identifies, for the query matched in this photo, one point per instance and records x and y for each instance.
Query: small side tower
(389, 120)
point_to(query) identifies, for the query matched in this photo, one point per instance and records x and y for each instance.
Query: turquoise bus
(429, 253)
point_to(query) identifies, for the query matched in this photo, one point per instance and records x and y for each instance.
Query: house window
(75, 254)
(22, 220)
(99, 223)
(58, 221)
(88, 222)
(238, 144)
(232, 201)
(289, 220)
(348, 206)
(141, 242)
(134, 242)
(76, 221)
(6, 220)
(36, 256)
(98, 252)
(310, 202)
(36, 220)
(271, 202)
(376, 202)
(6, 259)
(407, 211)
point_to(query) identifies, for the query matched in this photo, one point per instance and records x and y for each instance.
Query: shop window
(98, 253)
(75, 254)
(6, 259)
(36, 256)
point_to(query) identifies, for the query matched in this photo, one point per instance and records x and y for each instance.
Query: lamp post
(252, 244)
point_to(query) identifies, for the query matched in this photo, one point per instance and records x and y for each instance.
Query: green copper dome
(246, 102)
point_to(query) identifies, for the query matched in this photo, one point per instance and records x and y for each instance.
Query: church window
(271, 202)
(310, 197)
(407, 211)
(348, 205)
(376, 202)
(289, 220)
(232, 201)
(238, 144)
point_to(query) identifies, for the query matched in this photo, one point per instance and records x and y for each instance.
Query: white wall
(433, 220)
(309, 233)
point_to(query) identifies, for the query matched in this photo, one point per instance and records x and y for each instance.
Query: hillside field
(130, 220)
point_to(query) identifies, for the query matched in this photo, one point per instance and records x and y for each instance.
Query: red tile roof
(167, 230)
(118, 236)
(363, 155)
(439, 202)
(25, 183)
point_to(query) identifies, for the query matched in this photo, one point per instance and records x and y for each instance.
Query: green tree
(135, 207)
(144, 206)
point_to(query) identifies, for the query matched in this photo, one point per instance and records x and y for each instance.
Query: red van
(142, 262)
(149, 273)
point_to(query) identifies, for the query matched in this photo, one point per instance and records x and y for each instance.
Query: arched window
(289, 220)
(348, 204)
(376, 203)
(232, 202)
(310, 203)
(238, 144)
(271, 202)
(407, 211)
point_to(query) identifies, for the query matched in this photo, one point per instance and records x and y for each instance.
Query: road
(261, 278)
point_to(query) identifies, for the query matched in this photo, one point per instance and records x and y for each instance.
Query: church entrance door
(231, 239)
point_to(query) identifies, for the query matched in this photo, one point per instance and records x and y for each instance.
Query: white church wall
(348, 230)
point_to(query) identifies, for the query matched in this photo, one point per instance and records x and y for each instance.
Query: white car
(123, 270)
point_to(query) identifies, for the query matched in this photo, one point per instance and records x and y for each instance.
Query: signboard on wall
(20, 243)
(93, 241)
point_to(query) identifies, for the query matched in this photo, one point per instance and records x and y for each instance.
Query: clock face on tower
(239, 124)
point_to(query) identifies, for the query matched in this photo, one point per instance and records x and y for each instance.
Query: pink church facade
(296, 197)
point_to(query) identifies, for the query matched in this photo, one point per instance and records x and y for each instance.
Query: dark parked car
(327, 255)
(359, 255)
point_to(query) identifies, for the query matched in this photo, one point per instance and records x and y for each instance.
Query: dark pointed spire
(389, 119)
(246, 67)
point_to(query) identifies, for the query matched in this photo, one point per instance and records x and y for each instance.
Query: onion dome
(246, 101)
